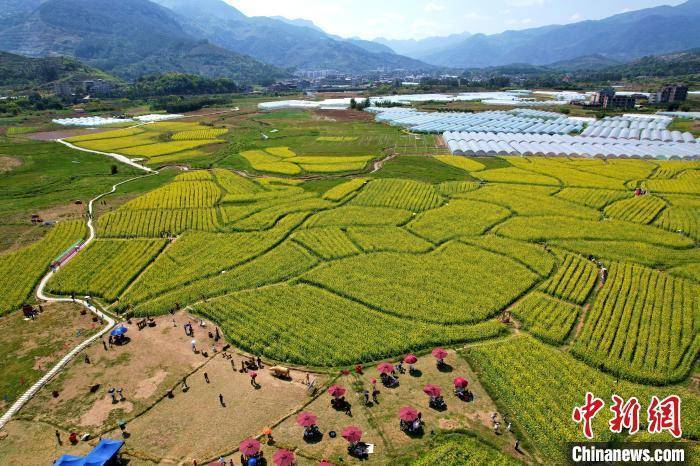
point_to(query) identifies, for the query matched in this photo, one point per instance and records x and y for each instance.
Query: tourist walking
(206, 377)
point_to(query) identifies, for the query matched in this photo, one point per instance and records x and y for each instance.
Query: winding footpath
(104, 318)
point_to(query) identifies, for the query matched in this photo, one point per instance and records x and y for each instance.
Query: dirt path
(110, 322)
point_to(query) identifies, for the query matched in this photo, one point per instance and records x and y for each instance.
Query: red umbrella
(374, 381)
(408, 414)
(439, 353)
(336, 391)
(250, 447)
(410, 359)
(306, 419)
(385, 368)
(461, 382)
(352, 434)
(325, 463)
(432, 390)
(283, 458)
(253, 375)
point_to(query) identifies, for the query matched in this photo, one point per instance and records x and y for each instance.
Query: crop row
(178, 195)
(638, 209)
(106, 267)
(643, 325)
(530, 200)
(129, 223)
(336, 139)
(235, 184)
(538, 386)
(450, 188)
(198, 134)
(349, 215)
(683, 219)
(399, 194)
(515, 175)
(573, 281)
(307, 325)
(196, 175)
(622, 169)
(387, 239)
(21, 270)
(596, 198)
(283, 263)
(164, 148)
(532, 255)
(269, 216)
(117, 133)
(465, 451)
(566, 173)
(454, 284)
(341, 191)
(458, 218)
(541, 229)
(549, 318)
(328, 243)
(116, 144)
(199, 254)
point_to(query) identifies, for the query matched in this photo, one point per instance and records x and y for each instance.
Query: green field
(299, 254)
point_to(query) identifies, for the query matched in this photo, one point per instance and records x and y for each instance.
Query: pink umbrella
(385, 368)
(253, 375)
(432, 390)
(408, 414)
(306, 419)
(283, 458)
(461, 382)
(325, 463)
(336, 391)
(352, 434)
(250, 447)
(410, 359)
(374, 381)
(439, 353)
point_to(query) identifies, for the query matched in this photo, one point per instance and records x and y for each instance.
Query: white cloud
(433, 7)
(575, 17)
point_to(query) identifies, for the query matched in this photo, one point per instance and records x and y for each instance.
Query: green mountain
(282, 42)
(16, 70)
(127, 38)
(623, 37)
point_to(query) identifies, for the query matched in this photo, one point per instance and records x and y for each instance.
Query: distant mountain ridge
(622, 37)
(128, 38)
(285, 43)
(423, 47)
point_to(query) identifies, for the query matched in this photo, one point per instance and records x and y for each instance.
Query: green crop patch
(454, 284)
(538, 386)
(466, 164)
(643, 326)
(350, 215)
(534, 256)
(548, 318)
(106, 267)
(399, 194)
(387, 239)
(307, 325)
(458, 218)
(596, 198)
(638, 209)
(516, 175)
(573, 281)
(328, 243)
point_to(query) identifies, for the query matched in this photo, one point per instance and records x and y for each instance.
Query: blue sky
(402, 19)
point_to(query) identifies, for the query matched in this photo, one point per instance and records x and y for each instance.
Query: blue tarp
(104, 452)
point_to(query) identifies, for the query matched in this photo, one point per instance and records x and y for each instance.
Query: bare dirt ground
(9, 163)
(192, 424)
(380, 422)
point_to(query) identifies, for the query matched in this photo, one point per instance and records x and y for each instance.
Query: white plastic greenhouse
(488, 143)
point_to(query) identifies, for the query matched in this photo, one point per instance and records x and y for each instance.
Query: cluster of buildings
(334, 80)
(85, 89)
(610, 99)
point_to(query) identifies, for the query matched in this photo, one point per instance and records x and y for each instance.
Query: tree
(114, 169)
(353, 103)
